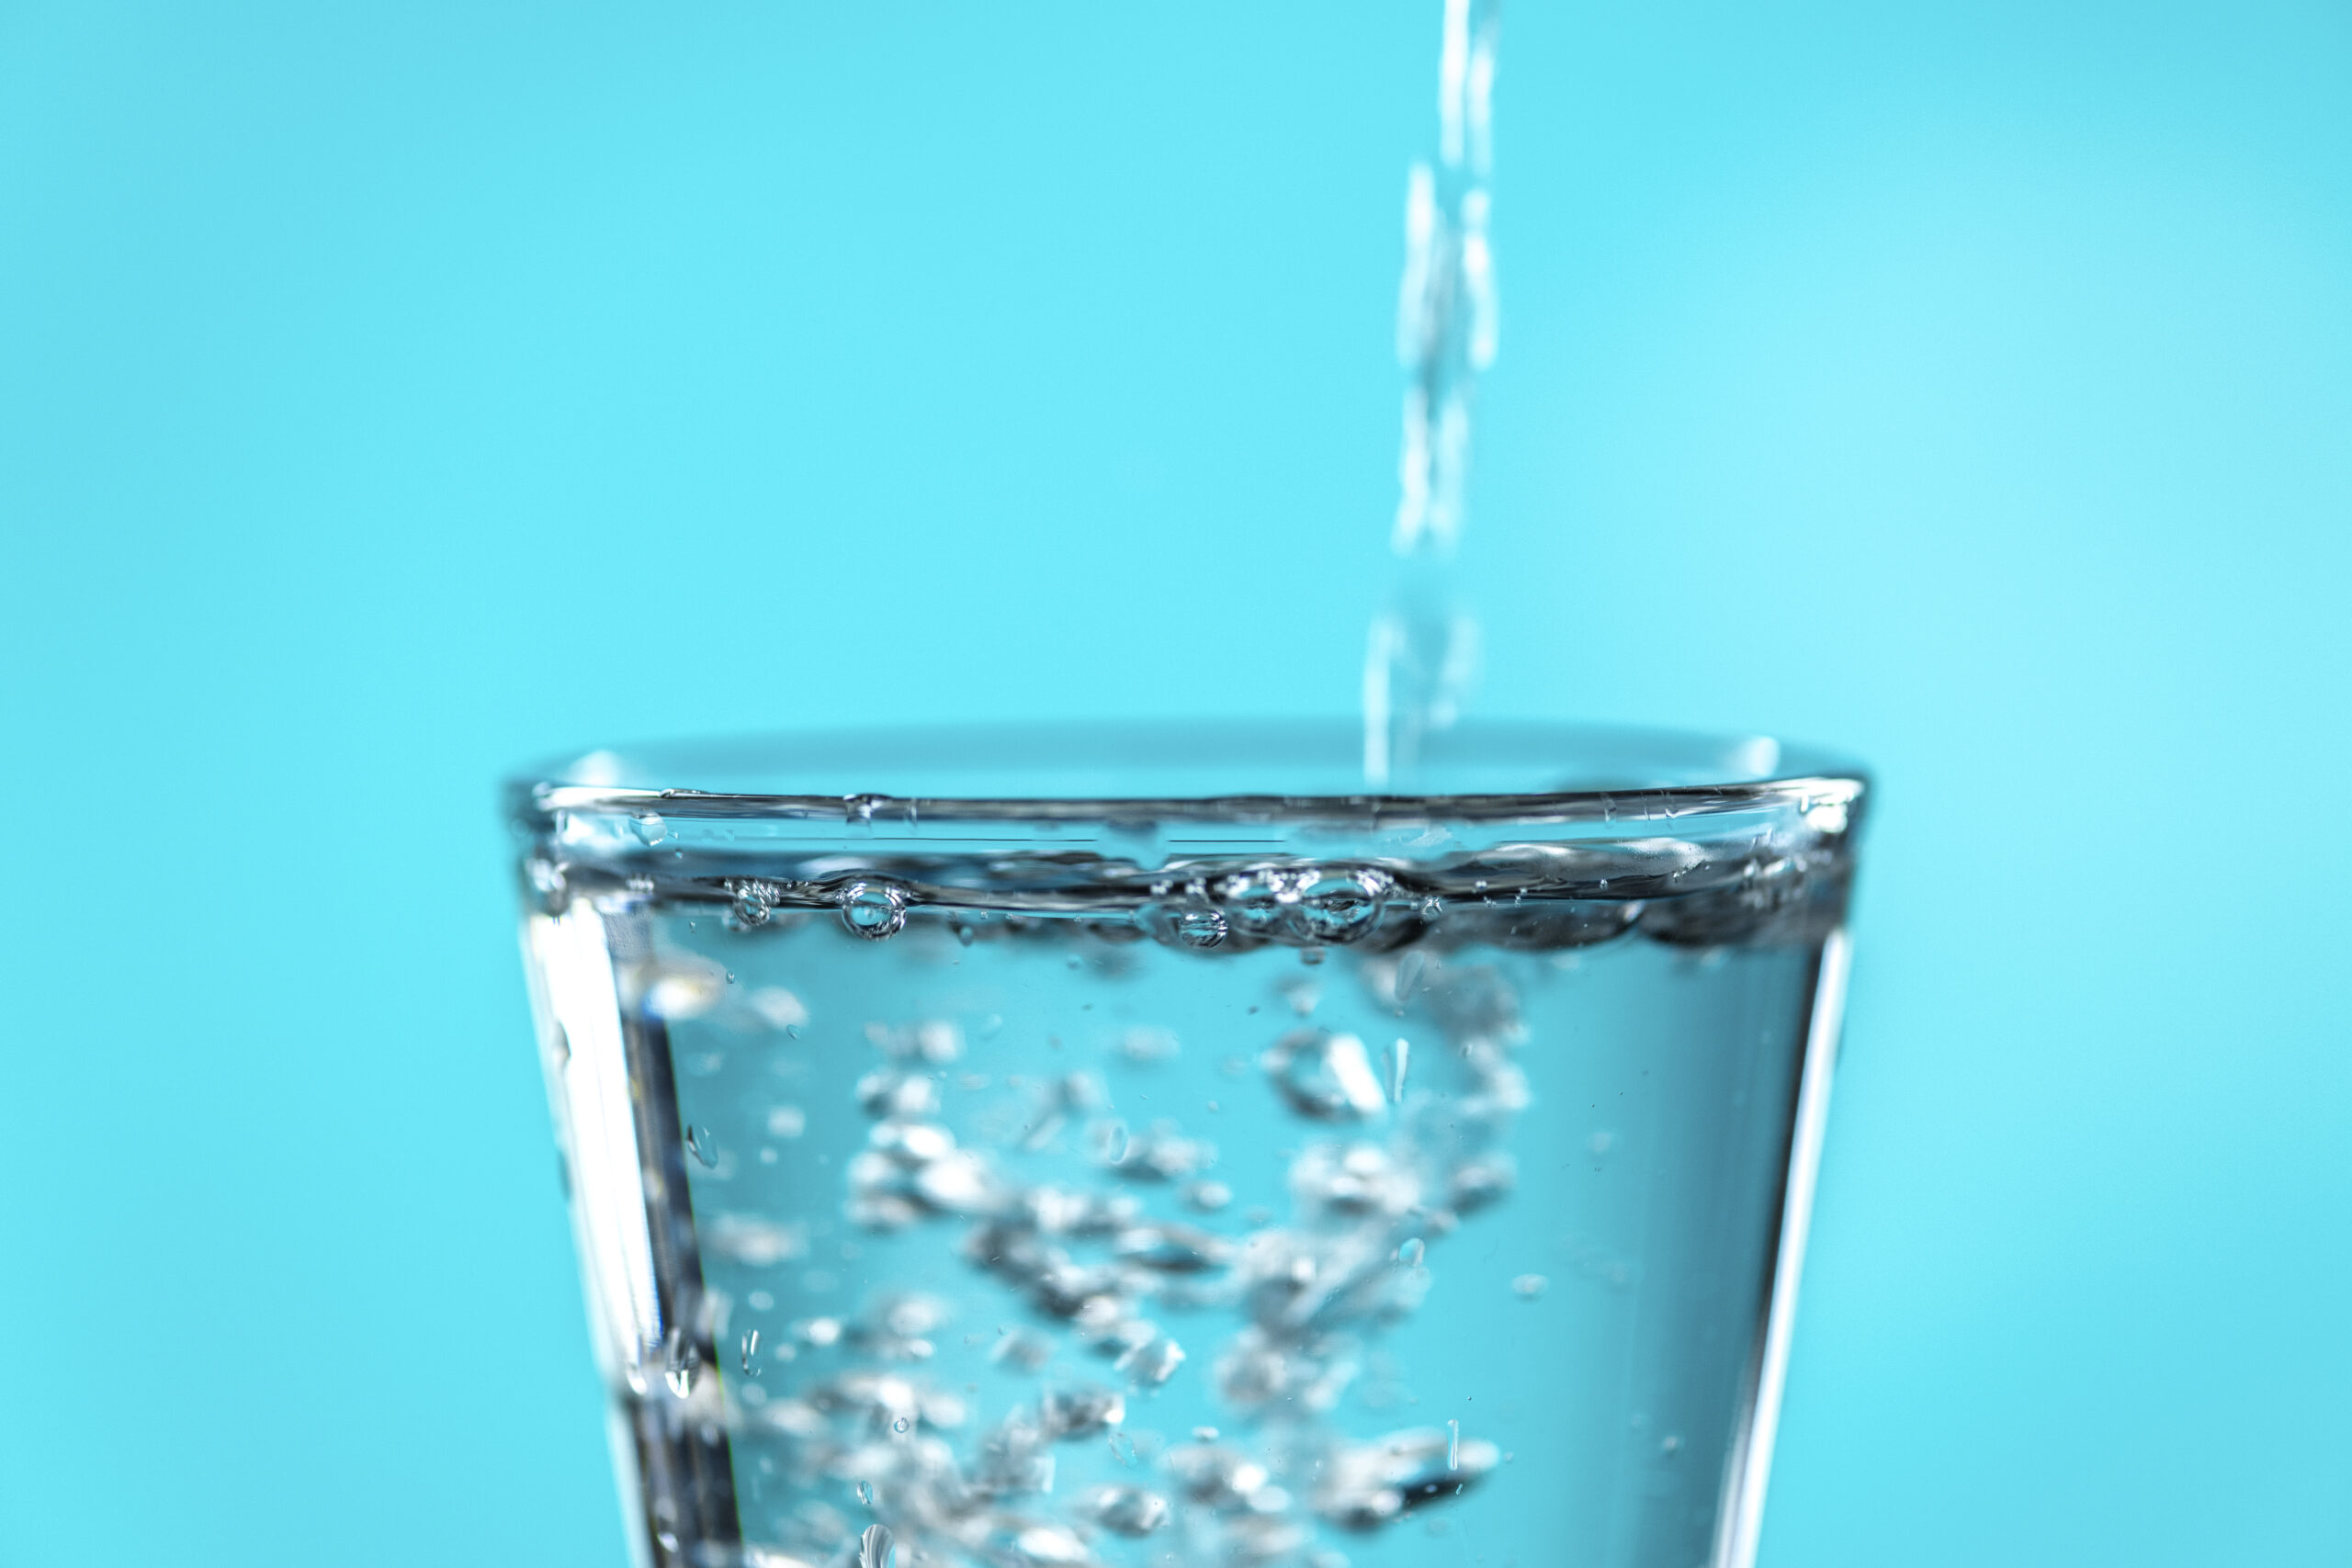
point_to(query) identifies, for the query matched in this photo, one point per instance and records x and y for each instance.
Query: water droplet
(1400, 1056)
(1204, 1433)
(1121, 1446)
(699, 1144)
(1529, 1287)
(751, 1349)
(899, 1424)
(963, 933)
(865, 1493)
(1454, 1445)
(873, 1550)
(1670, 1445)
(1111, 1142)
(752, 905)
(648, 828)
(873, 909)
(1411, 1253)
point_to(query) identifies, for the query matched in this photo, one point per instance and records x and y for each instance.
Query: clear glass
(1140, 1146)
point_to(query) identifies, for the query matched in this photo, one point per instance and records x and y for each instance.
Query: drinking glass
(1142, 1145)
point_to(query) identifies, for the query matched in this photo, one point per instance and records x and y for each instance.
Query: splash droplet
(751, 1349)
(1454, 1445)
(699, 1143)
(1400, 1056)
(648, 828)
(899, 1426)
(1411, 1252)
(873, 909)
(874, 1547)
(865, 1493)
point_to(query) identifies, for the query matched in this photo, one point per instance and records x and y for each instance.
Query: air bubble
(648, 828)
(752, 905)
(1153, 1363)
(1200, 928)
(1128, 1510)
(1342, 907)
(1207, 1197)
(680, 1362)
(1411, 1252)
(873, 909)
(1530, 1286)
(1328, 1076)
(1079, 1411)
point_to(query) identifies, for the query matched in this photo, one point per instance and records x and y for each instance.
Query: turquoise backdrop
(389, 393)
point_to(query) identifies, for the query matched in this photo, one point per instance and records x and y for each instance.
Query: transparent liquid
(1020, 1240)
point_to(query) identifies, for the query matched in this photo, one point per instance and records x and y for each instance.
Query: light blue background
(389, 393)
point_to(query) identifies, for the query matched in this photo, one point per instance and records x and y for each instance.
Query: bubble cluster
(1390, 1167)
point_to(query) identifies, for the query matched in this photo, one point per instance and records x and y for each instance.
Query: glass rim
(1662, 773)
